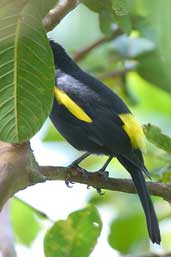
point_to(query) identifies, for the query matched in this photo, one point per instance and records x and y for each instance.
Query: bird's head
(62, 60)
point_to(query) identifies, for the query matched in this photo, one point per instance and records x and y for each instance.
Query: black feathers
(138, 179)
(94, 119)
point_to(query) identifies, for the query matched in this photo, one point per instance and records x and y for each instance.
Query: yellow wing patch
(74, 108)
(133, 130)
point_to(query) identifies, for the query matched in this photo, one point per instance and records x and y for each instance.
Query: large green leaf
(26, 70)
(75, 236)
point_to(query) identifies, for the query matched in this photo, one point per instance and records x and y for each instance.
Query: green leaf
(75, 236)
(155, 74)
(121, 16)
(156, 27)
(26, 74)
(24, 221)
(104, 9)
(98, 5)
(156, 137)
(128, 233)
(52, 134)
(145, 92)
(120, 7)
(105, 21)
(124, 22)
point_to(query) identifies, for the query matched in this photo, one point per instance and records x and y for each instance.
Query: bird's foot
(83, 172)
(105, 175)
(68, 181)
(74, 165)
(99, 191)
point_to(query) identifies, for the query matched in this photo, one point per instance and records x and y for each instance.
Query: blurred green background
(143, 60)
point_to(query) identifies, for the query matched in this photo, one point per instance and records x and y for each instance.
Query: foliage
(26, 75)
(154, 135)
(20, 213)
(78, 234)
(140, 62)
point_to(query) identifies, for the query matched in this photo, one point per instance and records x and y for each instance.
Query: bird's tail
(139, 181)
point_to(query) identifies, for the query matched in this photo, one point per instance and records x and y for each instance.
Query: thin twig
(79, 55)
(117, 73)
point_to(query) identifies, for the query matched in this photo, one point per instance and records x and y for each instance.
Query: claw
(99, 191)
(68, 182)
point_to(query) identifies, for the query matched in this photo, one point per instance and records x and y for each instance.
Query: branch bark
(18, 170)
(97, 180)
(56, 14)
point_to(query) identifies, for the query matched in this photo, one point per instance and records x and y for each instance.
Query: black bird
(92, 118)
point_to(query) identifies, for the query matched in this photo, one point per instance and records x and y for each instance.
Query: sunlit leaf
(75, 236)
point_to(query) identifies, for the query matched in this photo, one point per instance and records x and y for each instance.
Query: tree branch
(97, 180)
(117, 73)
(56, 14)
(18, 170)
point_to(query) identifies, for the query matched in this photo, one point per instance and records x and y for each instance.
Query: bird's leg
(74, 164)
(104, 173)
(103, 169)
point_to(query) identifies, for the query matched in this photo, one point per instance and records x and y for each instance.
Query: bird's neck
(65, 63)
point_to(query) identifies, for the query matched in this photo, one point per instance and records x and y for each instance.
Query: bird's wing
(112, 125)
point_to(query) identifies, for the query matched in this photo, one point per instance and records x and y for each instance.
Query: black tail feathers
(139, 181)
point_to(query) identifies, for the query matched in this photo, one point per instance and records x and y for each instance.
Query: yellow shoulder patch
(73, 107)
(133, 130)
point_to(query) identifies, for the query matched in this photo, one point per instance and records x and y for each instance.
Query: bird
(94, 119)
